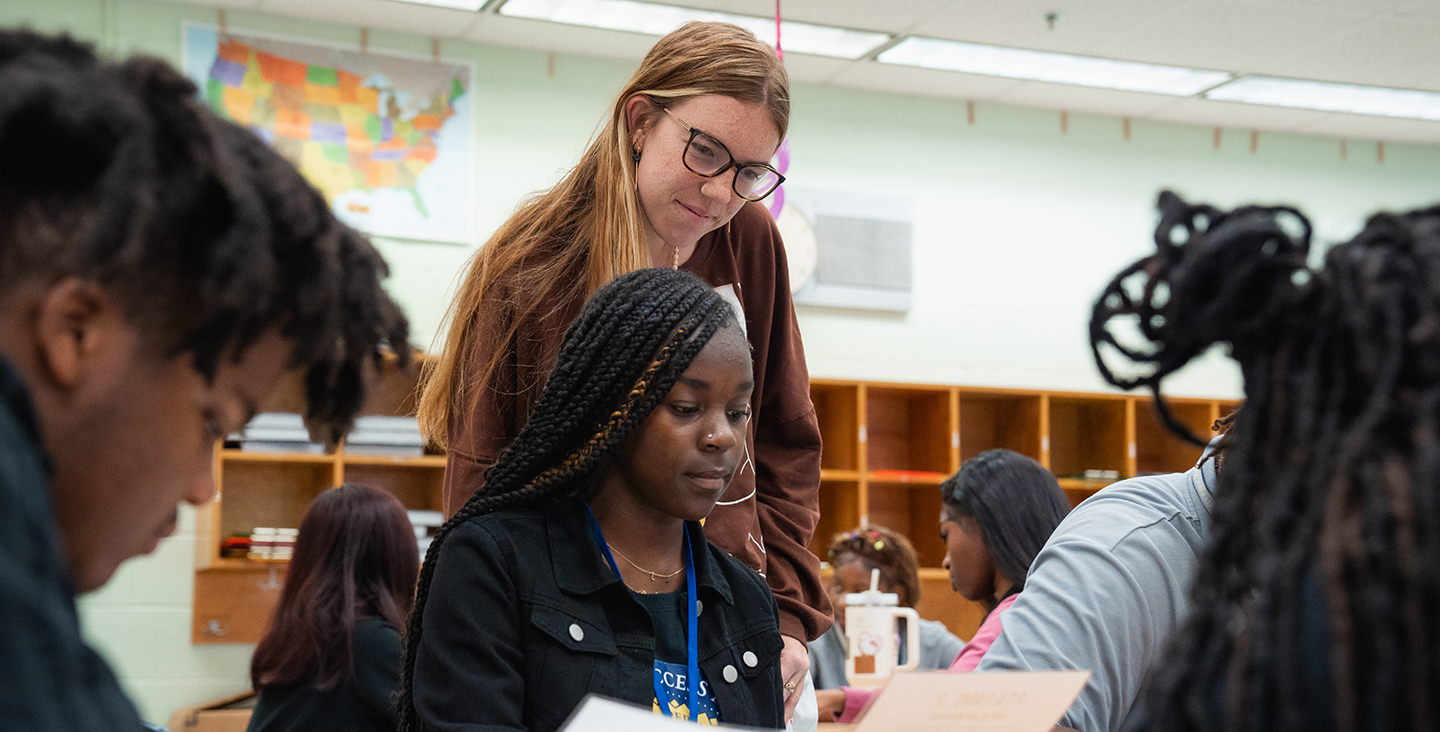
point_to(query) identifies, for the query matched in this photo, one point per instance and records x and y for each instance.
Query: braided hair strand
(618, 360)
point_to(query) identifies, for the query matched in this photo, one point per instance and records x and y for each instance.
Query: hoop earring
(635, 156)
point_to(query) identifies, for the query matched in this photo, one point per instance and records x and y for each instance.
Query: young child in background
(582, 567)
(853, 555)
(331, 658)
(996, 514)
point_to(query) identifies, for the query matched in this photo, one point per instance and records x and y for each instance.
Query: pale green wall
(1016, 228)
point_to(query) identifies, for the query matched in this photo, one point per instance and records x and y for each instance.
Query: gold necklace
(654, 576)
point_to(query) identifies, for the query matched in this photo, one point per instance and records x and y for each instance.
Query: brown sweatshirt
(768, 515)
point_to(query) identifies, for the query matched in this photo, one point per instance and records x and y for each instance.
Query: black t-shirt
(50, 681)
(667, 615)
(358, 704)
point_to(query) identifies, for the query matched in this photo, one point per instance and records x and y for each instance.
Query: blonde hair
(565, 243)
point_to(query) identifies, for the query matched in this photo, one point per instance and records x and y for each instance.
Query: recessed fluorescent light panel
(1330, 97)
(657, 20)
(471, 5)
(1060, 68)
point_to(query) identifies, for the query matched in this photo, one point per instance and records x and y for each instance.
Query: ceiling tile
(875, 76)
(408, 17)
(1082, 28)
(1231, 114)
(543, 36)
(891, 17)
(815, 69)
(1231, 36)
(1356, 6)
(236, 4)
(1083, 99)
(1402, 52)
(1427, 9)
(1363, 127)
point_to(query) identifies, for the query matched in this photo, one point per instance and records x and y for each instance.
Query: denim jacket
(524, 618)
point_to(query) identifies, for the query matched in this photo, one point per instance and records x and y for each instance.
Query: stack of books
(272, 544)
(388, 436)
(277, 432)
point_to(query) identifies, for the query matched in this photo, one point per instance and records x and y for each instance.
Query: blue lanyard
(692, 684)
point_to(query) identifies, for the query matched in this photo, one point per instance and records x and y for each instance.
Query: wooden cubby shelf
(234, 597)
(887, 448)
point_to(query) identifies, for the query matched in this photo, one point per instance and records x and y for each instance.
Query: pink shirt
(857, 699)
(989, 630)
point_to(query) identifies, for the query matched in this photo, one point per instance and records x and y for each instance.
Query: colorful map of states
(326, 122)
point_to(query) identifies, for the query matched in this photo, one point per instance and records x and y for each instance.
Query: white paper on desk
(599, 714)
(995, 701)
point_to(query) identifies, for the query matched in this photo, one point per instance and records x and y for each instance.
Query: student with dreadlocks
(582, 566)
(160, 270)
(675, 179)
(1317, 601)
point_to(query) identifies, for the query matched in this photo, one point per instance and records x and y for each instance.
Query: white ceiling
(1394, 43)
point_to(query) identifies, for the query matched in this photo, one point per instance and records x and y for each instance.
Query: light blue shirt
(1108, 589)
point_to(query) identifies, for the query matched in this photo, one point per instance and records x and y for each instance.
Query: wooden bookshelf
(888, 447)
(234, 598)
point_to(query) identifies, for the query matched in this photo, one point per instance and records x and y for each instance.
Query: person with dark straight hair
(331, 658)
(583, 567)
(1004, 506)
(161, 270)
(995, 515)
(1316, 603)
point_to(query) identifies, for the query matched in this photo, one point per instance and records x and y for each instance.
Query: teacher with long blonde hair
(673, 180)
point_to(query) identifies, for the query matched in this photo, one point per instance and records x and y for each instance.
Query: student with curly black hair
(1316, 602)
(160, 270)
(582, 567)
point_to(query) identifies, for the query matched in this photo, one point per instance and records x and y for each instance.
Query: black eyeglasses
(708, 157)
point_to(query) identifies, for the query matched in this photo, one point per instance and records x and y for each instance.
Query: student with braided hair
(160, 270)
(1316, 601)
(582, 567)
(675, 179)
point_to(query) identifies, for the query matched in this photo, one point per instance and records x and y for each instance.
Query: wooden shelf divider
(889, 446)
(234, 597)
